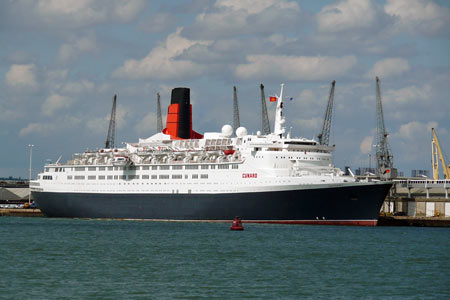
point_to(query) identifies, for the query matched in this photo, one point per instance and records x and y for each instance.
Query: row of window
(130, 177)
(47, 177)
(160, 167)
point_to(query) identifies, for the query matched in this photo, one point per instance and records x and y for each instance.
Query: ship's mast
(279, 118)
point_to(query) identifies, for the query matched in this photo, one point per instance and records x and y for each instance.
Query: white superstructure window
(194, 176)
(177, 167)
(110, 168)
(163, 176)
(154, 177)
(79, 177)
(223, 167)
(101, 168)
(145, 176)
(92, 168)
(133, 176)
(177, 176)
(235, 166)
(69, 177)
(91, 177)
(78, 169)
(122, 177)
(204, 176)
(154, 167)
(145, 167)
(101, 177)
(164, 167)
(191, 167)
(109, 177)
(205, 167)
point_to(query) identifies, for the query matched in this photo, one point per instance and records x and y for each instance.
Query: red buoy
(237, 224)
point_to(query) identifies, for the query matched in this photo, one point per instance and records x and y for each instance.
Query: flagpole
(29, 178)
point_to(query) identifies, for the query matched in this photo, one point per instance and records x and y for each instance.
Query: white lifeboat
(120, 160)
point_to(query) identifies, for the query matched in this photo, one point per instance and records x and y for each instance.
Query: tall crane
(236, 122)
(264, 115)
(159, 125)
(435, 151)
(384, 157)
(112, 126)
(324, 136)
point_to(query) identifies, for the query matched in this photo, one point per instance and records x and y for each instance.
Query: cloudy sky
(61, 62)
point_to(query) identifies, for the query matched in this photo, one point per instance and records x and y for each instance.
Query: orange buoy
(237, 224)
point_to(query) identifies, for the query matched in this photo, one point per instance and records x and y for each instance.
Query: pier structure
(419, 198)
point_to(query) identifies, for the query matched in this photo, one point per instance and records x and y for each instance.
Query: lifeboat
(237, 224)
(120, 160)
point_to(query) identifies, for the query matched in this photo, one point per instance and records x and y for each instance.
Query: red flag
(273, 99)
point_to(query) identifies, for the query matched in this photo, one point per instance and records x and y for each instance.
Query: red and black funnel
(179, 116)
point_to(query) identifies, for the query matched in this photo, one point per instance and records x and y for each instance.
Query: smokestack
(179, 116)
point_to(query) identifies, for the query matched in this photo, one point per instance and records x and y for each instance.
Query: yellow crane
(435, 151)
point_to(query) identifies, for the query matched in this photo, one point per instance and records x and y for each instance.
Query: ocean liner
(179, 174)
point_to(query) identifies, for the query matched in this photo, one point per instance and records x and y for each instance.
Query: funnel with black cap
(179, 116)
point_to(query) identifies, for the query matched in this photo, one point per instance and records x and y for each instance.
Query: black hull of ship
(355, 204)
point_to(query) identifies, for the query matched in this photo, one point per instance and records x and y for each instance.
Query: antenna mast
(384, 157)
(324, 136)
(112, 126)
(264, 115)
(236, 122)
(159, 126)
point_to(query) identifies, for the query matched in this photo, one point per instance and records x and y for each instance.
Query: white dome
(227, 130)
(241, 131)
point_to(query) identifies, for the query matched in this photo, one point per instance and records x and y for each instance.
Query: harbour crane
(385, 162)
(109, 144)
(324, 136)
(264, 115)
(435, 152)
(159, 125)
(236, 122)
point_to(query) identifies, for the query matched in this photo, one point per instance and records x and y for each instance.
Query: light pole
(29, 178)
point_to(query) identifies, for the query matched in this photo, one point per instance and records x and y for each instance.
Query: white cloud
(294, 67)
(419, 16)
(388, 67)
(80, 13)
(366, 145)
(76, 87)
(256, 6)
(47, 128)
(229, 18)
(54, 103)
(162, 62)
(147, 125)
(409, 95)
(346, 15)
(21, 76)
(413, 130)
(70, 51)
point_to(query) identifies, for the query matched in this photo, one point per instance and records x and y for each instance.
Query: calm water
(92, 259)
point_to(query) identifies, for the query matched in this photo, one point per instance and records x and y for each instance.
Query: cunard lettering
(249, 175)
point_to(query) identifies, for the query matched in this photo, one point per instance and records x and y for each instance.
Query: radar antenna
(324, 136)
(236, 122)
(264, 115)
(384, 157)
(159, 125)
(112, 126)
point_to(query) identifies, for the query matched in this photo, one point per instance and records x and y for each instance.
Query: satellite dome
(227, 130)
(241, 131)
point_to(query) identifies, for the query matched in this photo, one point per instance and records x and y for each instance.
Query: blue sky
(61, 62)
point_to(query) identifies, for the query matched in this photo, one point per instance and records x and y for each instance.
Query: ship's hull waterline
(351, 204)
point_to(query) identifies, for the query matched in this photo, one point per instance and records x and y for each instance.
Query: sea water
(45, 258)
